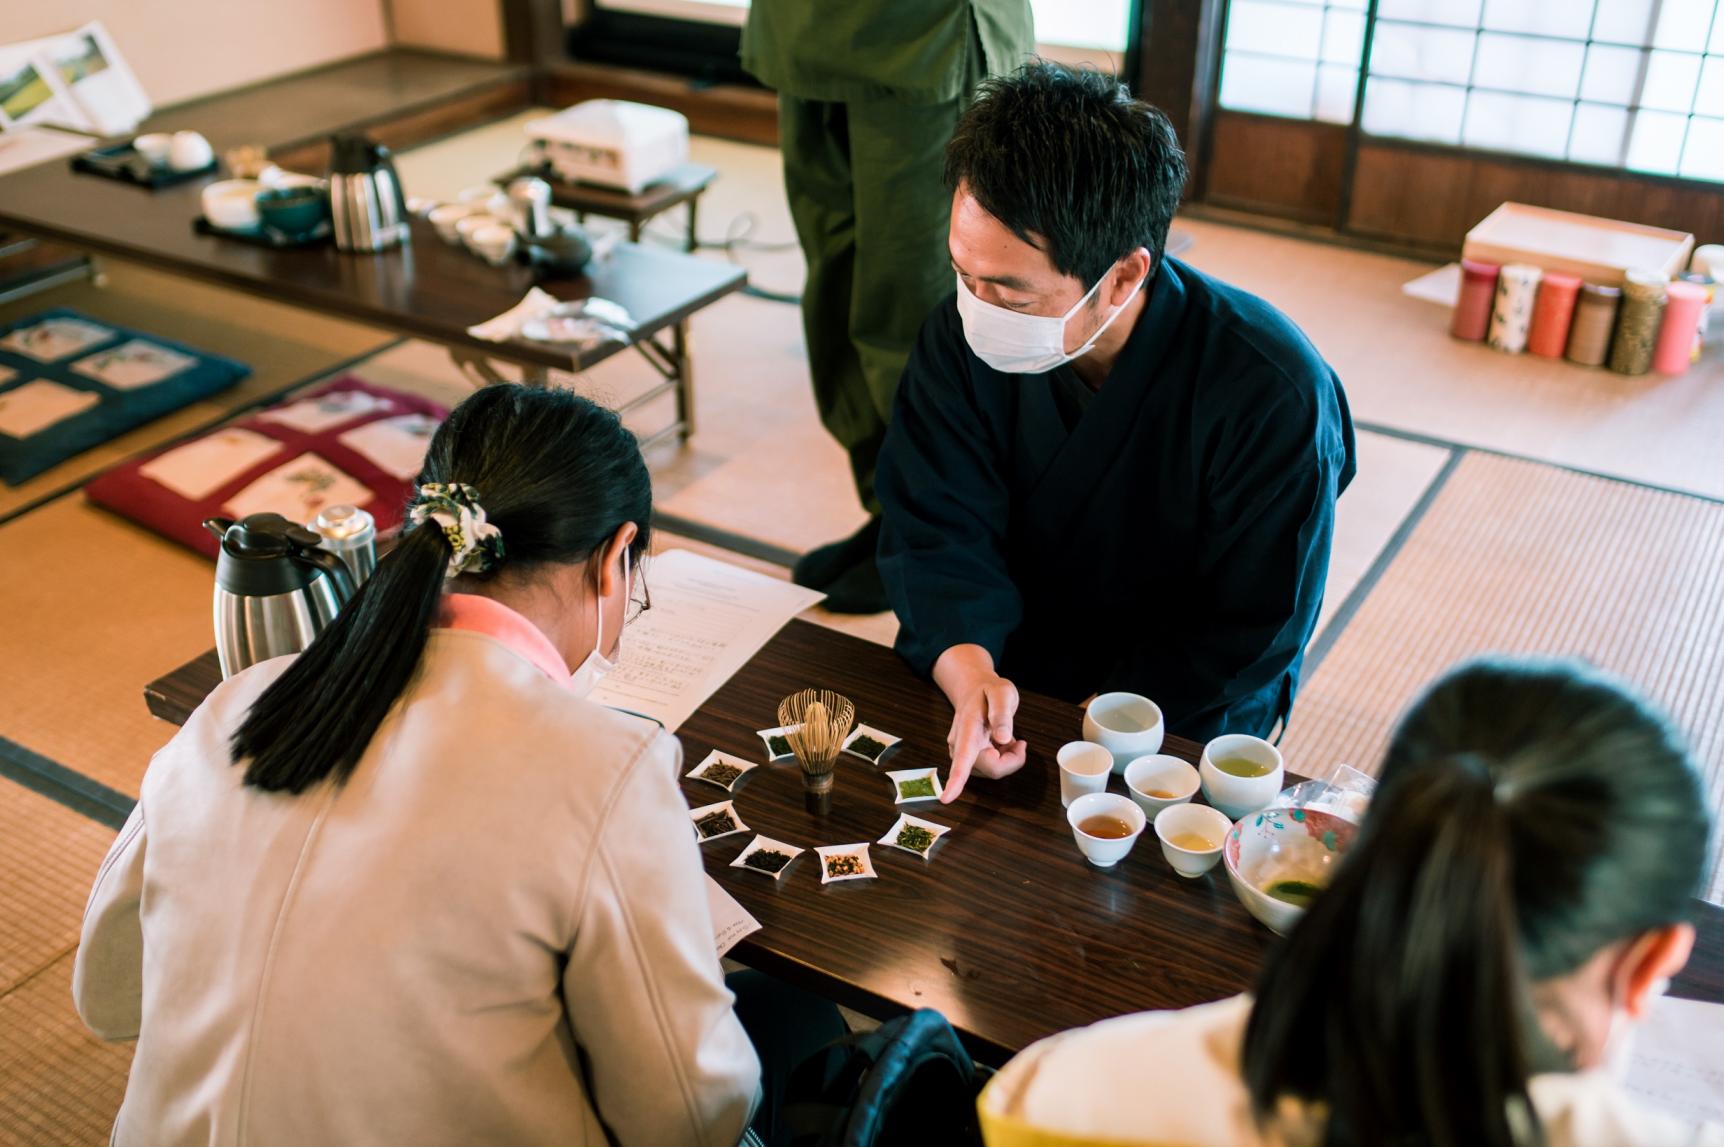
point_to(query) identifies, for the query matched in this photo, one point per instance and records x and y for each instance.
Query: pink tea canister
(1675, 348)
(1472, 315)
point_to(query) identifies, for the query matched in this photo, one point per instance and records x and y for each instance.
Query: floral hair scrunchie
(476, 545)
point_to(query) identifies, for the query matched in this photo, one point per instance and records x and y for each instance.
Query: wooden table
(680, 185)
(424, 289)
(1005, 929)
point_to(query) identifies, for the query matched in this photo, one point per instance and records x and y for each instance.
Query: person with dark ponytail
(1516, 898)
(410, 886)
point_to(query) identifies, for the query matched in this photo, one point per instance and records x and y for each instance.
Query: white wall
(185, 48)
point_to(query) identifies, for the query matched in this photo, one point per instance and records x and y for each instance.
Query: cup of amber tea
(1191, 837)
(1105, 826)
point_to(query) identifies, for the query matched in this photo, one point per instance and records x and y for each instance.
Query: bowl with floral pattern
(1279, 859)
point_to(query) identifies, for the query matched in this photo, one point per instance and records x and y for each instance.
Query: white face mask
(1618, 1053)
(1015, 343)
(597, 666)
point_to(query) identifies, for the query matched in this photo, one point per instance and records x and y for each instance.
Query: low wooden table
(423, 289)
(1004, 929)
(680, 185)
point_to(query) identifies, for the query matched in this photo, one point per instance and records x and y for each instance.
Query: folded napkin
(508, 325)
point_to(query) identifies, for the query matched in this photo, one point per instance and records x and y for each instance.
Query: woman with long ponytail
(1516, 897)
(410, 885)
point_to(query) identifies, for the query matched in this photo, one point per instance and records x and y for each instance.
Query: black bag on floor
(908, 1081)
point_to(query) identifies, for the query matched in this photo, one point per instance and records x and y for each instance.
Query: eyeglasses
(640, 598)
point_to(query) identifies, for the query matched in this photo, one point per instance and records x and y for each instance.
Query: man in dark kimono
(1105, 470)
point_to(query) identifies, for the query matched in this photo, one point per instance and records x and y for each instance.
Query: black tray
(266, 237)
(121, 161)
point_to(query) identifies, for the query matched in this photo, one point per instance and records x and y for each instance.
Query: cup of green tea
(1240, 773)
(1105, 826)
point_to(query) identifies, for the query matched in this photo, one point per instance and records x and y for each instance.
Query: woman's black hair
(1529, 814)
(556, 474)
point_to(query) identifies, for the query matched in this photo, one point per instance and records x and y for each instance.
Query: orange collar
(476, 614)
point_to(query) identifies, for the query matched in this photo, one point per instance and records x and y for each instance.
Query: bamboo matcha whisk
(818, 720)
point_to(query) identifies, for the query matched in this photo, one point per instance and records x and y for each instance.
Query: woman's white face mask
(1618, 1052)
(597, 666)
(1015, 343)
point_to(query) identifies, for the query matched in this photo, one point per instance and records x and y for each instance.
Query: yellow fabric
(1010, 1131)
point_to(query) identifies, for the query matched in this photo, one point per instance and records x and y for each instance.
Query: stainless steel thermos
(275, 591)
(366, 204)
(351, 535)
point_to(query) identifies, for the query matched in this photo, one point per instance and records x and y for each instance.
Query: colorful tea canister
(1472, 315)
(1594, 322)
(1674, 350)
(1702, 330)
(1553, 314)
(1709, 261)
(1511, 317)
(1643, 297)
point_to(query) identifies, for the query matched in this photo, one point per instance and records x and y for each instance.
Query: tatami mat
(1522, 558)
(59, 1085)
(95, 608)
(1402, 369)
(280, 344)
(49, 855)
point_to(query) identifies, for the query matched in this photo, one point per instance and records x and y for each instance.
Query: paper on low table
(730, 920)
(1678, 1059)
(707, 619)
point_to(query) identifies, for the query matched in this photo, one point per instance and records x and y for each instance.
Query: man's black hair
(1072, 164)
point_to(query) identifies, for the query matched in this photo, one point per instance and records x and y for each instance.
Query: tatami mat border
(1324, 641)
(1451, 444)
(66, 786)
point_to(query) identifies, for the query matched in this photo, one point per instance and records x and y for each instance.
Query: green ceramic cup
(292, 210)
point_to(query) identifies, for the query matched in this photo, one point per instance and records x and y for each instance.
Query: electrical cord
(736, 238)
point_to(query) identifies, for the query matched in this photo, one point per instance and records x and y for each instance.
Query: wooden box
(1598, 250)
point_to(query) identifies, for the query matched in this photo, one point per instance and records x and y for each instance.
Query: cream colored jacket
(495, 933)
(1172, 1079)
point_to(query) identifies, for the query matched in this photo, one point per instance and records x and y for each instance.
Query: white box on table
(1598, 250)
(613, 143)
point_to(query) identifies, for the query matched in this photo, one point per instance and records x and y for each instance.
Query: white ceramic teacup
(189, 151)
(1201, 820)
(445, 218)
(496, 243)
(1127, 725)
(1084, 769)
(1159, 774)
(231, 204)
(472, 225)
(1235, 795)
(154, 147)
(1105, 851)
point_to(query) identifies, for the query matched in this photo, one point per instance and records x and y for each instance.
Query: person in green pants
(868, 94)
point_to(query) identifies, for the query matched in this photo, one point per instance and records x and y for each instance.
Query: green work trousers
(871, 211)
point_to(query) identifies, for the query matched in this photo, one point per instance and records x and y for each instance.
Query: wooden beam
(534, 32)
(420, 125)
(1177, 61)
(749, 115)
